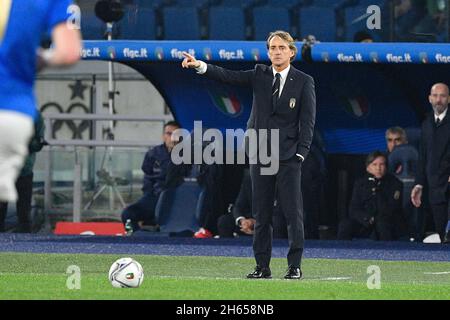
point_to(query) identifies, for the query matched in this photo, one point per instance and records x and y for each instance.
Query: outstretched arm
(243, 78)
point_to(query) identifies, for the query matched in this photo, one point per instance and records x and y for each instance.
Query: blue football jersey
(22, 24)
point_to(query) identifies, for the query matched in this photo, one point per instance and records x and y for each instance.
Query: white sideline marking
(280, 278)
(243, 278)
(445, 272)
(332, 279)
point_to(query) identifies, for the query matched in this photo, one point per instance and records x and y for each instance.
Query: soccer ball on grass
(126, 273)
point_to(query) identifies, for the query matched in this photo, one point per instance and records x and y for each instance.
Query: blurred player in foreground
(22, 24)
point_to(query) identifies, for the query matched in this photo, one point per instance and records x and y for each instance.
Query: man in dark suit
(284, 102)
(434, 161)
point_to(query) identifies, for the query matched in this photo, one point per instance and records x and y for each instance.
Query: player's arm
(66, 47)
(242, 78)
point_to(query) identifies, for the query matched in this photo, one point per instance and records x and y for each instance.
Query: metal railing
(93, 143)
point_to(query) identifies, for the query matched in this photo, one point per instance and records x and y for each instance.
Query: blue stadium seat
(319, 21)
(284, 3)
(226, 23)
(406, 156)
(352, 26)
(138, 25)
(178, 209)
(238, 3)
(321, 3)
(191, 3)
(181, 23)
(92, 27)
(150, 4)
(413, 135)
(267, 19)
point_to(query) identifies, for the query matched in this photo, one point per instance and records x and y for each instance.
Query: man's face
(392, 140)
(279, 52)
(167, 136)
(439, 98)
(377, 167)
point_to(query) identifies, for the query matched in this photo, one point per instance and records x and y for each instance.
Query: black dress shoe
(260, 273)
(447, 237)
(293, 274)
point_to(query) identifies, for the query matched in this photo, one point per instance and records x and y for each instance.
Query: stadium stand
(181, 23)
(227, 23)
(289, 4)
(267, 19)
(138, 25)
(93, 28)
(355, 18)
(318, 21)
(240, 3)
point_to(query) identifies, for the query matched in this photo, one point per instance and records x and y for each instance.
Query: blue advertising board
(356, 102)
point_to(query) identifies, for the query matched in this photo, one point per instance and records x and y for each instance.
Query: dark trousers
(351, 228)
(288, 181)
(226, 226)
(440, 217)
(24, 187)
(141, 211)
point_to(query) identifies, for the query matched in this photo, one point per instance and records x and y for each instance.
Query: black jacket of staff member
(376, 206)
(434, 161)
(283, 99)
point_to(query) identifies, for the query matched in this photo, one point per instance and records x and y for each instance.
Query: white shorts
(16, 130)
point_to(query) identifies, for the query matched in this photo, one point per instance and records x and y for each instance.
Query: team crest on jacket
(397, 195)
(292, 103)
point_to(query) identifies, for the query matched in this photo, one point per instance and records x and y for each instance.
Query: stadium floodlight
(109, 10)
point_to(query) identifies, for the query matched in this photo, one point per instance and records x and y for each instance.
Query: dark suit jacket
(434, 158)
(294, 114)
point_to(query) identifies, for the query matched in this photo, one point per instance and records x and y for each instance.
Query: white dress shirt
(441, 116)
(283, 77)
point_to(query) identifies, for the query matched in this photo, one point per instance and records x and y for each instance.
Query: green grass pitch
(43, 276)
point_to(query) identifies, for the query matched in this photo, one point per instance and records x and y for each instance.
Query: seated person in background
(155, 167)
(435, 19)
(362, 37)
(241, 221)
(395, 136)
(24, 183)
(376, 204)
(407, 14)
(210, 178)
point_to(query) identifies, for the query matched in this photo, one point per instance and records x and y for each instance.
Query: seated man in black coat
(241, 221)
(376, 204)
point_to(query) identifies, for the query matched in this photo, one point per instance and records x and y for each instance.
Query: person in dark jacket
(155, 167)
(433, 174)
(24, 183)
(376, 204)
